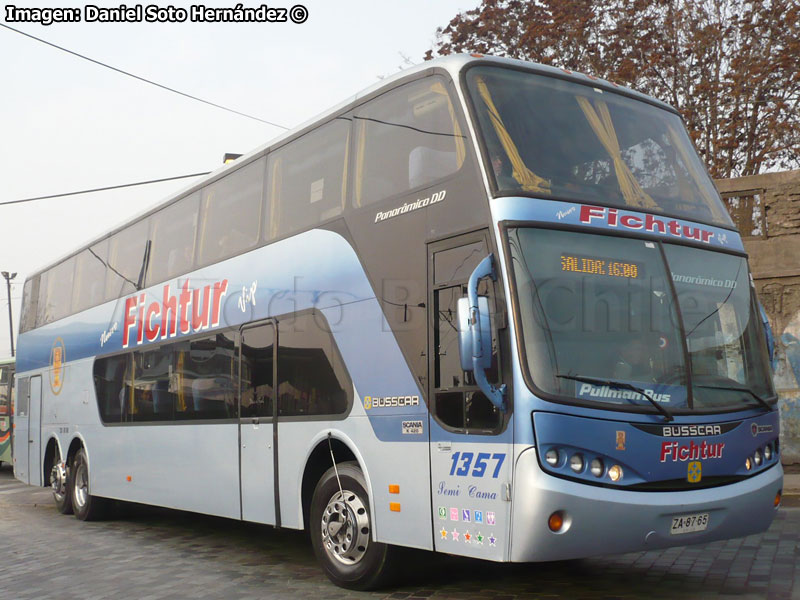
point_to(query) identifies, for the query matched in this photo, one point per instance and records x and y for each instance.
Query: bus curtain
(600, 122)
(461, 151)
(275, 200)
(529, 180)
(674, 138)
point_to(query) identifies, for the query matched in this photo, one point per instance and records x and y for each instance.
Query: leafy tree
(731, 67)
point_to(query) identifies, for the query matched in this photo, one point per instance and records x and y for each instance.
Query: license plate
(689, 523)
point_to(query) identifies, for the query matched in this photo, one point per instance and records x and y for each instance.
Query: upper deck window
(231, 214)
(407, 138)
(549, 137)
(306, 179)
(126, 259)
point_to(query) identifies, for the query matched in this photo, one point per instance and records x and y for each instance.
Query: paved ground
(159, 554)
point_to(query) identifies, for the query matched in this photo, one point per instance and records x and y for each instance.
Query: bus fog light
(748, 463)
(615, 473)
(551, 456)
(768, 452)
(556, 521)
(757, 458)
(576, 463)
(597, 468)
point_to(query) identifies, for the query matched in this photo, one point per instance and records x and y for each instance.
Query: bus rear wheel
(85, 506)
(59, 484)
(341, 531)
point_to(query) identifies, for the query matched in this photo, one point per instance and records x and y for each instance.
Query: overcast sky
(70, 125)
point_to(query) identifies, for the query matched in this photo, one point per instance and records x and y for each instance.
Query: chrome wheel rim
(81, 485)
(58, 481)
(345, 528)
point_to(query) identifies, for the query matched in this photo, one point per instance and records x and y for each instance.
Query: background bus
(481, 292)
(6, 408)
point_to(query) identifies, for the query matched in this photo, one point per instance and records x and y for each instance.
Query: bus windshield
(603, 308)
(548, 137)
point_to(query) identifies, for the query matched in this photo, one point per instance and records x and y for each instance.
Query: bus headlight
(757, 458)
(748, 463)
(576, 463)
(597, 468)
(551, 456)
(615, 473)
(768, 452)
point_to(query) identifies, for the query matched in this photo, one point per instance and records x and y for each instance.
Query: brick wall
(766, 209)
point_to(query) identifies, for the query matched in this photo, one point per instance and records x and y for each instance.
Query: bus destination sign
(600, 266)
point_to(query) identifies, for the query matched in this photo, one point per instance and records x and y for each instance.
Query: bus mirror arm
(481, 336)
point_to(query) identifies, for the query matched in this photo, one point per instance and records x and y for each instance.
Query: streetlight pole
(9, 276)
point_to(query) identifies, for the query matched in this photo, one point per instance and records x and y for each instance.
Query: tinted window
(312, 379)
(55, 297)
(258, 345)
(30, 298)
(126, 256)
(231, 214)
(406, 139)
(90, 276)
(190, 379)
(207, 372)
(551, 137)
(23, 397)
(172, 235)
(113, 384)
(306, 179)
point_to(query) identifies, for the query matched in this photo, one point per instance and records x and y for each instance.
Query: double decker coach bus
(485, 307)
(6, 408)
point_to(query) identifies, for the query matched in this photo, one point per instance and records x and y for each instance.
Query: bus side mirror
(465, 336)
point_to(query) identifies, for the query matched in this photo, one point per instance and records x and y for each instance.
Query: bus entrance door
(256, 424)
(470, 438)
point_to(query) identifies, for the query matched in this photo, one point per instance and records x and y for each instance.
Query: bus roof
(452, 64)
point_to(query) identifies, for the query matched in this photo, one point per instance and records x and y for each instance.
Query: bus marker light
(129, 478)
(394, 506)
(576, 463)
(777, 499)
(556, 521)
(615, 473)
(394, 488)
(476, 55)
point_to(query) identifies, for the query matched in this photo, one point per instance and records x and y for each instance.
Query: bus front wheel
(341, 530)
(85, 506)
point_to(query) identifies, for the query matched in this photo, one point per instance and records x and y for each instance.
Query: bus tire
(85, 506)
(59, 484)
(341, 532)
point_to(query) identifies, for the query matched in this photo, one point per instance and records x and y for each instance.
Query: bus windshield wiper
(740, 388)
(621, 385)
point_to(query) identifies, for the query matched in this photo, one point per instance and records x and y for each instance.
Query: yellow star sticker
(444, 533)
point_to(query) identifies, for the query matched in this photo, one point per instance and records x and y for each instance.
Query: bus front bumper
(610, 521)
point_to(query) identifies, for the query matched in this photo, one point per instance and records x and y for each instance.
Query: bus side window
(312, 378)
(306, 179)
(172, 233)
(230, 214)
(405, 139)
(257, 386)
